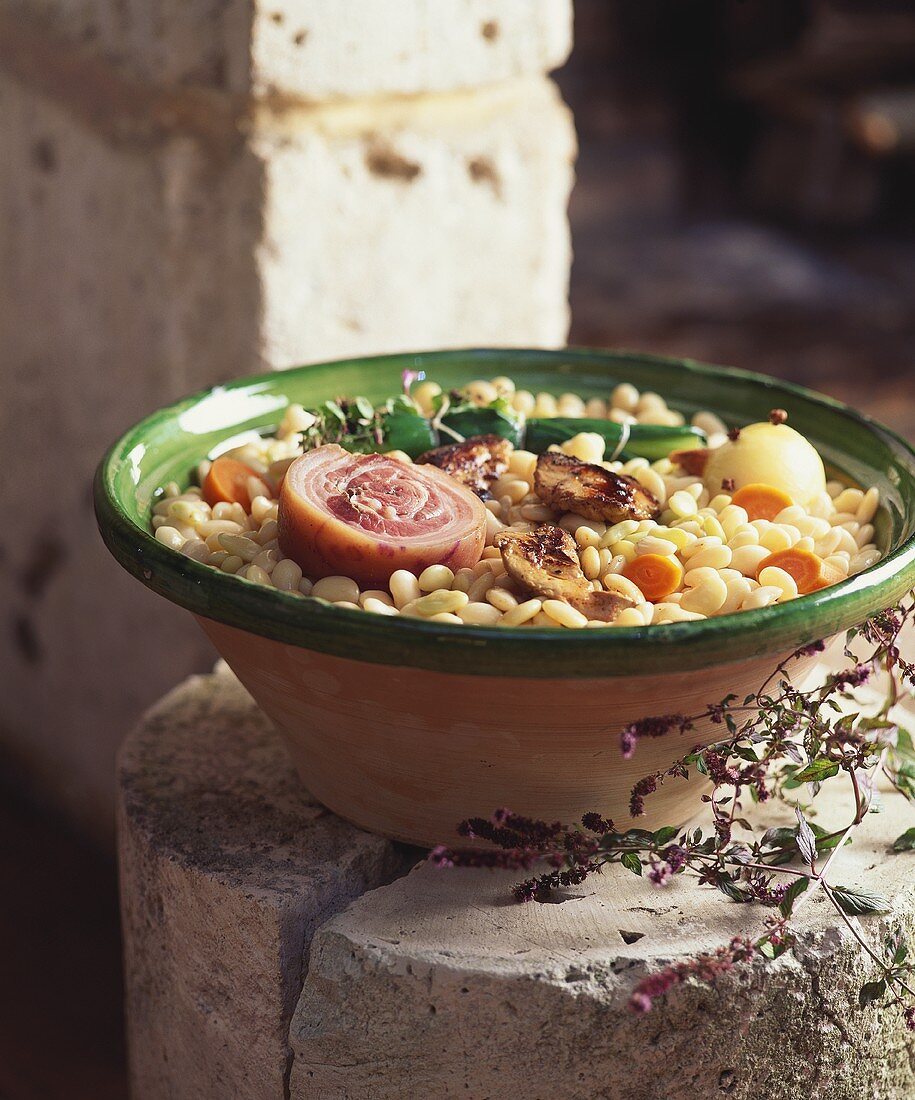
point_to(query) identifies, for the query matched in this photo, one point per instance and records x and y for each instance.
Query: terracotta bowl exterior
(406, 727)
(409, 752)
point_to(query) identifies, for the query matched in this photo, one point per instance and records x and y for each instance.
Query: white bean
(763, 596)
(523, 613)
(378, 607)
(706, 597)
(501, 598)
(434, 577)
(712, 557)
(591, 563)
(438, 602)
(477, 613)
(748, 558)
(622, 586)
(652, 545)
(336, 590)
(266, 560)
(240, 545)
(867, 509)
(773, 577)
(196, 549)
(286, 575)
(170, 536)
(564, 613)
(625, 397)
(404, 587)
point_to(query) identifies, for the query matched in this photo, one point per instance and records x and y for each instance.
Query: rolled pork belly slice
(365, 516)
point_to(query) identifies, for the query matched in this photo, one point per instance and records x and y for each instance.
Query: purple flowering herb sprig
(780, 742)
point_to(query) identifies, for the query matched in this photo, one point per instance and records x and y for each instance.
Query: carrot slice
(228, 481)
(657, 575)
(809, 571)
(761, 501)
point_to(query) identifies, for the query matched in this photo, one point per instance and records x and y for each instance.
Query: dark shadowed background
(745, 195)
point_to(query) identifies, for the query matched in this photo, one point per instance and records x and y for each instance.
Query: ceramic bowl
(406, 727)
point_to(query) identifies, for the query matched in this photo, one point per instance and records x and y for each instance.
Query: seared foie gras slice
(365, 516)
(476, 462)
(569, 485)
(546, 563)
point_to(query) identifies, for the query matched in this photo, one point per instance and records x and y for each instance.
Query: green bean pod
(498, 418)
(405, 429)
(651, 441)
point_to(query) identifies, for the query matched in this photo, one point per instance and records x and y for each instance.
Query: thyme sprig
(780, 742)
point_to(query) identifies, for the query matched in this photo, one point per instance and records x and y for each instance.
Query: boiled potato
(768, 454)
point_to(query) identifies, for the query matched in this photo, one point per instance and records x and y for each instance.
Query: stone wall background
(195, 191)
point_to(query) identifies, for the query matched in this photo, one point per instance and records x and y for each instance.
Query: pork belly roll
(365, 516)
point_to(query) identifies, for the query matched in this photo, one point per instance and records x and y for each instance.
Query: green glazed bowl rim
(499, 651)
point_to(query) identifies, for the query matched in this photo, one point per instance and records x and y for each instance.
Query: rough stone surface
(446, 223)
(439, 986)
(313, 49)
(152, 249)
(316, 49)
(434, 983)
(227, 868)
(118, 269)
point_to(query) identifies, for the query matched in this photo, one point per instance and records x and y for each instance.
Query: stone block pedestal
(275, 951)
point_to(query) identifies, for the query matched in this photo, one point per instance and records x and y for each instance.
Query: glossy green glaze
(168, 444)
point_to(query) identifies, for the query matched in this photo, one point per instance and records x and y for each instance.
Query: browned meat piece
(692, 461)
(568, 485)
(546, 563)
(476, 462)
(604, 606)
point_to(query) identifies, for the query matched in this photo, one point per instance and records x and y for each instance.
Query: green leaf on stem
(631, 862)
(905, 842)
(793, 892)
(772, 950)
(817, 770)
(857, 903)
(729, 887)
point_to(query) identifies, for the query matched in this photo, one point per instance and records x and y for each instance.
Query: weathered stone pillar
(236, 887)
(195, 190)
(227, 868)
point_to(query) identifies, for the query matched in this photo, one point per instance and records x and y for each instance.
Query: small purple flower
(640, 792)
(676, 857)
(660, 874)
(597, 824)
(853, 677)
(657, 726)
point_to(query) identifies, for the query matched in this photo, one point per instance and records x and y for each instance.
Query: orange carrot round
(657, 575)
(809, 571)
(761, 501)
(227, 482)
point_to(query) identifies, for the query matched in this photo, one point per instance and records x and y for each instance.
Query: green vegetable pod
(405, 429)
(498, 418)
(651, 441)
